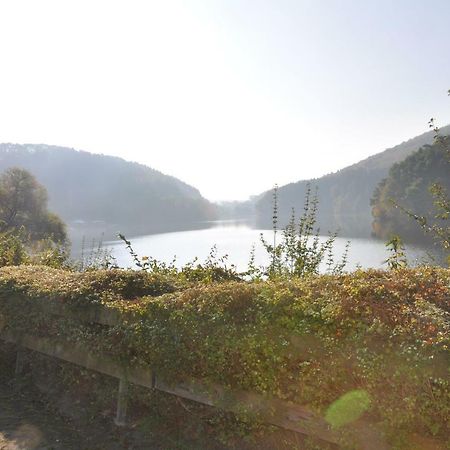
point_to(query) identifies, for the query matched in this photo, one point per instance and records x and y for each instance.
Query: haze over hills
(106, 193)
(98, 193)
(344, 196)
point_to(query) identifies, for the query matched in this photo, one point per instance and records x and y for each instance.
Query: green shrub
(12, 250)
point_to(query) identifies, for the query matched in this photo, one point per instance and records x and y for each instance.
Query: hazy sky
(231, 96)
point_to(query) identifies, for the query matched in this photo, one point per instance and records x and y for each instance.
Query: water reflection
(235, 239)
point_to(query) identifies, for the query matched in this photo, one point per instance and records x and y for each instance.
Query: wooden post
(20, 356)
(122, 400)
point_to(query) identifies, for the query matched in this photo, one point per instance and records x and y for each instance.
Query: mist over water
(236, 239)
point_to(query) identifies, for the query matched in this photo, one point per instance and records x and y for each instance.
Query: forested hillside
(344, 196)
(408, 185)
(109, 192)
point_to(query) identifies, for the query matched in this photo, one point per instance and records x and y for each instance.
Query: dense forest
(88, 190)
(407, 188)
(344, 196)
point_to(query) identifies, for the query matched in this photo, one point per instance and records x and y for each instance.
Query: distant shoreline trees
(407, 187)
(23, 204)
(28, 230)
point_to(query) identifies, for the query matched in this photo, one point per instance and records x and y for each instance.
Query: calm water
(236, 240)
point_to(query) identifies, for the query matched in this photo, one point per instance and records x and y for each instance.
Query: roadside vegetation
(310, 340)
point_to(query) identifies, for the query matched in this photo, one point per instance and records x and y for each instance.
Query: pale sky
(230, 96)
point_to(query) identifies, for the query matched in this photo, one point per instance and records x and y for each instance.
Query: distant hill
(408, 184)
(344, 196)
(106, 193)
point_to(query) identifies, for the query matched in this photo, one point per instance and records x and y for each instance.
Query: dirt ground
(25, 421)
(28, 421)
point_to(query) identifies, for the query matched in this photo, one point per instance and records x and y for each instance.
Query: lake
(236, 240)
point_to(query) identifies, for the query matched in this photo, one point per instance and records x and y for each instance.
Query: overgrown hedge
(91, 287)
(384, 333)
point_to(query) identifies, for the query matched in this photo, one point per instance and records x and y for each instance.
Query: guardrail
(269, 410)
